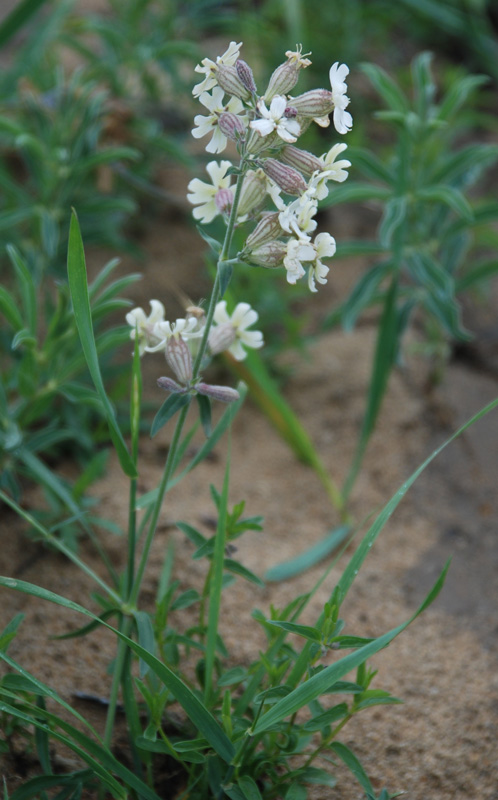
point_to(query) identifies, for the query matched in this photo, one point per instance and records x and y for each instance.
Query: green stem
(125, 627)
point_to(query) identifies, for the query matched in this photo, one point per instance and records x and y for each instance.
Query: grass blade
(78, 286)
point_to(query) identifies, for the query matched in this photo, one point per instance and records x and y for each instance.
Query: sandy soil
(441, 743)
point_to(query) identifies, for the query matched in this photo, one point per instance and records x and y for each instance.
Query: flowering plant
(254, 731)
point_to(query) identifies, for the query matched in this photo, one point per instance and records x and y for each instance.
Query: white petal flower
(343, 121)
(332, 171)
(324, 247)
(208, 68)
(273, 119)
(241, 319)
(297, 252)
(204, 194)
(144, 325)
(164, 330)
(297, 217)
(205, 125)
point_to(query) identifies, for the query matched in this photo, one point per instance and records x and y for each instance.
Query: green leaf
(234, 566)
(78, 286)
(479, 272)
(196, 711)
(27, 288)
(213, 243)
(18, 17)
(308, 558)
(447, 311)
(322, 721)
(171, 405)
(386, 87)
(423, 83)
(186, 599)
(318, 684)
(231, 676)
(225, 271)
(370, 165)
(448, 196)
(355, 192)
(205, 414)
(8, 308)
(146, 637)
(249, 788)
(394, 214)
(353, 764)
(363, 294)
(307, 631)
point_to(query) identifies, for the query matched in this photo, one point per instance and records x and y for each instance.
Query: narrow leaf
(171, 405)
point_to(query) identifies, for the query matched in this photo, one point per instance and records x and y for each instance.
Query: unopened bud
(267, 229)
(305, 162)
(244, 72)
(269, 255)
(171, 386)
(289, 179)
(253, 192)
(223, 200)
(223, 393)
(179, 359)
(257, 143)
(316, 103)
(230, 82)
(231, 126)
(283, 80)
(221, 337)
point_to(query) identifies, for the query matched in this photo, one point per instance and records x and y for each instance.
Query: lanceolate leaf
(78, 285)
(196, 711)
(319, 683)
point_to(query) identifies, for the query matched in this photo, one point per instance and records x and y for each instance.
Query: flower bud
(256, 143)
(283, 80)
(230, 82)
(253, 191)
(223, 393)
(171, 386)
(316, 103)
(223, 200)
(179, 359)
(305, 162)
(265, 231)
(289, 179)
(221, 337)
(231, 126)
(244, 72)
(269, 255)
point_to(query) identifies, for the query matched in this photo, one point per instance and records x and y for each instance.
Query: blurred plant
(46, 403)
(54, 155)
(427, 246)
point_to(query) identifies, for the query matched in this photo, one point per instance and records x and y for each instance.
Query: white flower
(214, 103)
(324, 247)
(240, 320)
(164, 330)
(297, 251)
(332, 171)
(204, 194)
(208, 68)
(273, 119)
(297, 217)
(144, 326)
(343, 121)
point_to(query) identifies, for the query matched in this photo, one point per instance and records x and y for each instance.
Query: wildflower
(164, 330)
(297, 252)
(330, 170)
(297, 217)
(143, 326)
(244, 72)
(204, 194)
(324, 247)
(305, 162)
(274, 119)
(343, 121)
(209, 68)
(205, 125)
(230, 332)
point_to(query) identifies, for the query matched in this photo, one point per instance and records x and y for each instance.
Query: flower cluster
(277, 173)
(179, 341)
